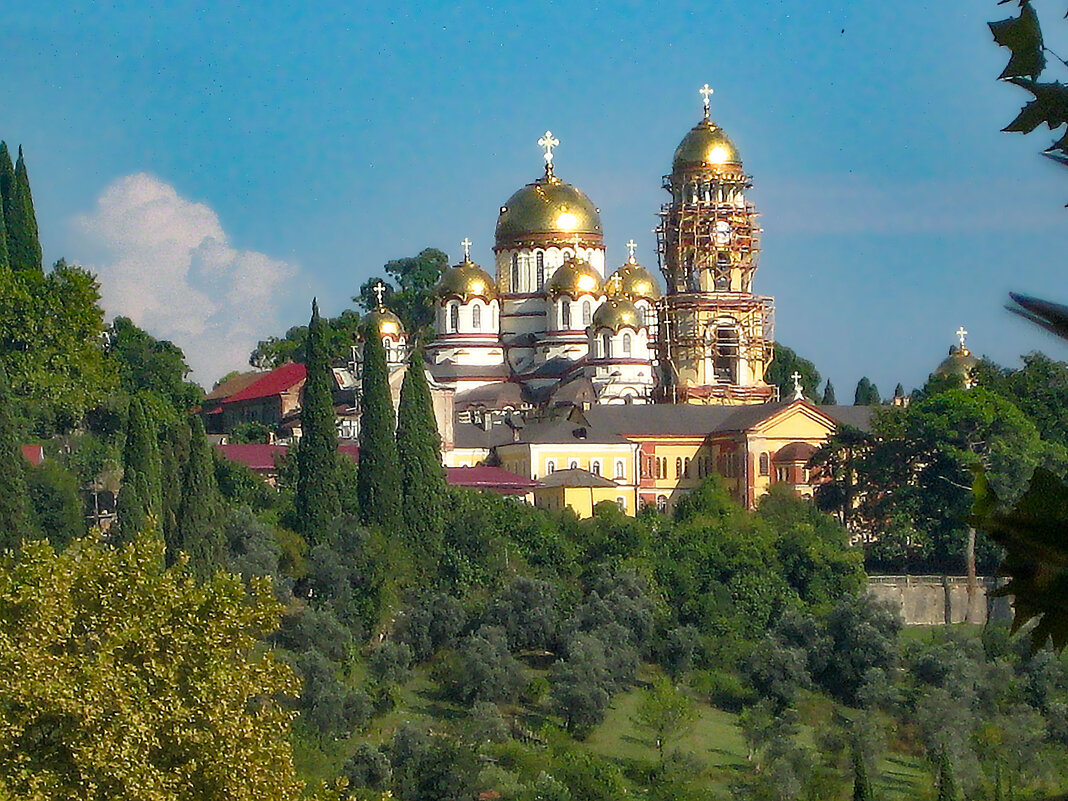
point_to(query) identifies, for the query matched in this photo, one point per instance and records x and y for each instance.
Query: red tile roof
(492, 478)
(273, 383)
(34, 454)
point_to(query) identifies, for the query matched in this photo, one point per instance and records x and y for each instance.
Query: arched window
(678, 467)
(686, 467)
(661, 503)
(595, 468)
(387, 346)
(515, 272)
(565, 314)
(765, 463)
(540, 261)
(620, 469)
(586, 312)
(454, 316)
(606, 345)
(550, 466)
(476, 316)
(626, 344)
(573, 465)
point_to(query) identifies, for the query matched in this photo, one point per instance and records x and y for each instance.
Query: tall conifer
(947, 780)
(15, 518)
(419, 452)
(174, 454)
(867, 394)
(317, 502)
(828, 394)
(140, 496)
(378, 476)
(24, 244)
(5, 262)
(7, 179)
(861, 783)
(199, 531)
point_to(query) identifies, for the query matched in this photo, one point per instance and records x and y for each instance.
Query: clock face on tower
(722, 232)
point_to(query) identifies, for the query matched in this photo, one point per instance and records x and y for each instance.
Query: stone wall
(937, 600)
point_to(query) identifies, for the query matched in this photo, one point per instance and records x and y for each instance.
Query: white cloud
(166, 264)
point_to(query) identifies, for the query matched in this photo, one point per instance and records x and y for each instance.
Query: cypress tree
(828, 394)
(5, 262)
(867, 394)
(199, 533)
(173, 456)
(7, 180)
(15, 516)
(24, 245)
(899, 391)
(140, 496)
(378, 475)
(317, 504)
(947, 781)
(861, 784)
(419, 452)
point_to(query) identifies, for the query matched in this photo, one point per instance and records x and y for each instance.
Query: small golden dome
(576, 277)
(616, 313)
(548, 210)
(959, 363)
(465, 281)
(385, 322)
(706, 146)
(632, 281)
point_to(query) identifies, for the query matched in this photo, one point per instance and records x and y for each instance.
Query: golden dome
(547, 211)
(632, 281)
(616, 313)
(465, 281)
(385, 322)
(576, 277)
(706, 146)
(959, 363)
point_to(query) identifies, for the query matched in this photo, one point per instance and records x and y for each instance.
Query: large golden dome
(548, 211)
(616, 313)
(385, 322)
(632, 281)
(706, 146)
(958, 364)
(576, 277)
(465, 281)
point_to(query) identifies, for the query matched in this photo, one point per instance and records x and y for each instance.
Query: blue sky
(221, 164)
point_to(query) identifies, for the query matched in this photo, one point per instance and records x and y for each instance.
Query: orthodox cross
(379, 289)
(796, 376)
(577, 254)
(961, 333)
(630, 247)
(548, 142)
(467, 249)
(706, 92)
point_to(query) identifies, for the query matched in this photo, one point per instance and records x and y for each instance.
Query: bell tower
(716, 335)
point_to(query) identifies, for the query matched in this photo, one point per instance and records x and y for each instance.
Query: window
(621, 502)
(565, 314)
(515, 272)
(620, 469)
(586, 313)
(454, 317)
(782, 475)
(626, 344)
(806, 476)
(661, 503)
(540, 261)
(606, 345)
(764, 464)
(550, 466)
(595, 468)
(678, 467)
(573, 465)
(687, 467)
(476, 316)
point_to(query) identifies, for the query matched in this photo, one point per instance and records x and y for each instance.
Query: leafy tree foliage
(379, 473)
(526, 610)
(665, 712)
(419, 454)
(57, 506)
(176, 700)
(411, 295)
(339, 333)
(784, 364)
(146, 364)
(317, 504)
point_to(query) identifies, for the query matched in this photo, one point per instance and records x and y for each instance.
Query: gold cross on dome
(548, 142)
(630, 248)
(379, 289)
(467, 249)
(961, 334)
(706, 92)
(577, 254)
